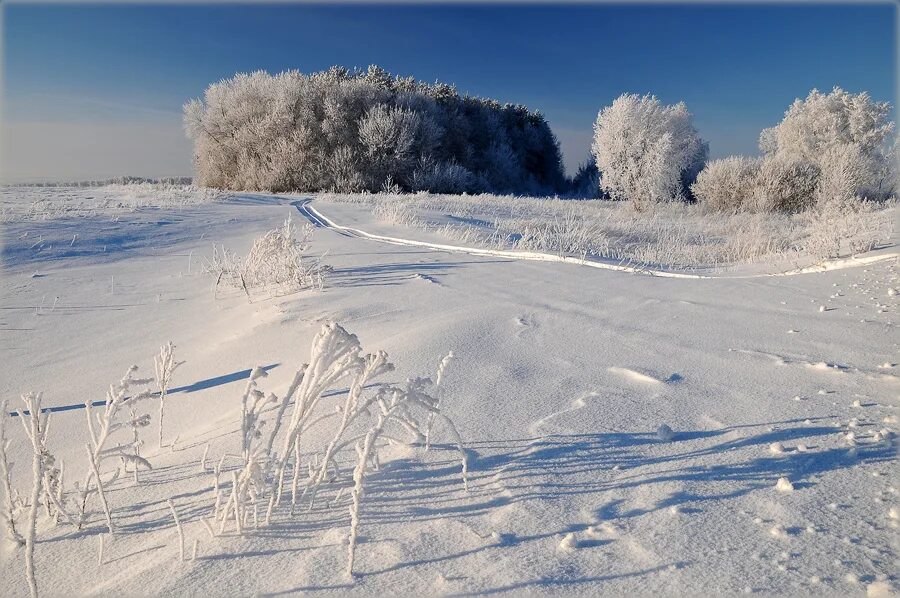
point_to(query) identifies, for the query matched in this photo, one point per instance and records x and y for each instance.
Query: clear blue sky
(97, 90)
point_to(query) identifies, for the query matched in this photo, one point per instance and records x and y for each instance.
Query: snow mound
(784, 485)
(664, 433)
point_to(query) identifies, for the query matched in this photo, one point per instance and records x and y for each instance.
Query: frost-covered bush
(757, 184)
(784, 186)
(349, 131)
(646, 151)
(274, 264)
(847, 175)
(849, 137)
(727, 184)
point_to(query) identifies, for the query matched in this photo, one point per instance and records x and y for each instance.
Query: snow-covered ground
(564, 375)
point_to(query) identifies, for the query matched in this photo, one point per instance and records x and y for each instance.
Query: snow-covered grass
(670, 235)
(23, 203)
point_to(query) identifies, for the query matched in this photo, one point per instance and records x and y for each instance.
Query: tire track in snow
(320, 220)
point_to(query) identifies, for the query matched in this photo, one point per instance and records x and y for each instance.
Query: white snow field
(625, 433)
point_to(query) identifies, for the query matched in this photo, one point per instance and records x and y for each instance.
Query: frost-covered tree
(647, 151)
(391, 136)
(586, 182)
(829, 148)
(849, 137)
(441, 177)
(353, 131)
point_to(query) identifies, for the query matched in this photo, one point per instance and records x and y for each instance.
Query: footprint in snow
(524, 324)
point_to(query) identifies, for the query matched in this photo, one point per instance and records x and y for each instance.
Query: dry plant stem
(179, 528)
(203, 458)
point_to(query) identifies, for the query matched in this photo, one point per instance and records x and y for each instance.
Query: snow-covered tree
(646, 151)
(586, 182)
(391, 138)
(351, 131)
(849, 137)
(441, 177)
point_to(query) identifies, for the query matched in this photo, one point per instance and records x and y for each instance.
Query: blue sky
(94, 91)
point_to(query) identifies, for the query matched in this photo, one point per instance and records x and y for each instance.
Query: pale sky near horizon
(96, 91)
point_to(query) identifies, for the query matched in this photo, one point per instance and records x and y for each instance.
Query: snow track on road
(319, 219)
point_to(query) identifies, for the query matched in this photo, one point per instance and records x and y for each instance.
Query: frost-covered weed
(333, 420)
(328, 435)
(36, 425)
(101, 426)
(274, 265)
(164, 365)
(669, 235)
(851, 226)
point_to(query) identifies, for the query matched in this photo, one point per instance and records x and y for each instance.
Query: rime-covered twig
(99, 432)
(8, 515)
(164, 366)
(35, 424)
(442, 368)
